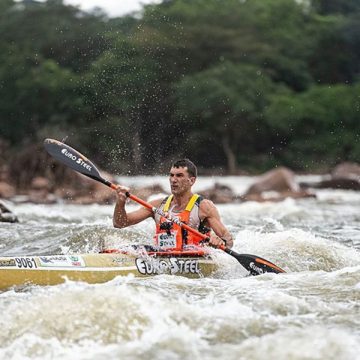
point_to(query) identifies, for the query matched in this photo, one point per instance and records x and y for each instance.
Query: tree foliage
(231, 84)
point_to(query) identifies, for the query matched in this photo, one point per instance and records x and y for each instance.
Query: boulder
(40, 183)
(6, 215)
(39, 191)
(219, 194)
(146, 192)
(279, 179)
(346, 170)
(334, 183)
(278, 196)
(344, 176)
(280, 183)
(7, 191)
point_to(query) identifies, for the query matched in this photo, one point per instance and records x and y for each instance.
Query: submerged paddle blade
(72, 158)
(255, 264)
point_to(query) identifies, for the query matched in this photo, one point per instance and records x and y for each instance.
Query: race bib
(166, 241)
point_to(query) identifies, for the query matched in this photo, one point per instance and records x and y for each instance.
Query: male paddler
(200, 214)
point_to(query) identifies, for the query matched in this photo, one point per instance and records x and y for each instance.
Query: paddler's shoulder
(157, 202)
(207, 207)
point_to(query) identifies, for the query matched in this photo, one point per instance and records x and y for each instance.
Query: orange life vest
(170, 236)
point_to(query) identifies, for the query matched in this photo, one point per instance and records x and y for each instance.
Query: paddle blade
(72, 158)
(255, 264)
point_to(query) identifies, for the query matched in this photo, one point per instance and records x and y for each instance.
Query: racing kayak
(100, 268)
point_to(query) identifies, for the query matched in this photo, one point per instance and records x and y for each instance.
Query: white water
(312, 312)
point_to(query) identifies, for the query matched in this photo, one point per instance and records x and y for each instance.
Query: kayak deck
(98, 268)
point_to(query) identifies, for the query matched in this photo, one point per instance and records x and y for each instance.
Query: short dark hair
(191, 167)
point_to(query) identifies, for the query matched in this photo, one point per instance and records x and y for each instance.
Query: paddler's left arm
(210, 213)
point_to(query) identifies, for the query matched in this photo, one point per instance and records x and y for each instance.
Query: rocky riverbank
(33, 176)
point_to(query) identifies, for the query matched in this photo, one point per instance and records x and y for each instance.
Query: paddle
(78, 162)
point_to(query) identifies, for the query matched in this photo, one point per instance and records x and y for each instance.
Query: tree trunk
(136, 152)
(230, 156)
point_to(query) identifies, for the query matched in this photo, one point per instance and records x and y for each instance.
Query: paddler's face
(180, 180)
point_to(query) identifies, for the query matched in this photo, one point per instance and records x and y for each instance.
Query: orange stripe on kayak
(261, 261)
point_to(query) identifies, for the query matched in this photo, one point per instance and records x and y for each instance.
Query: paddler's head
(182, 175)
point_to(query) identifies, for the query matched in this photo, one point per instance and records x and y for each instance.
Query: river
(311, 312)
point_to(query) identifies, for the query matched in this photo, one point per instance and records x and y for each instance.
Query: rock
(337, 183)
(219, 194)
(344, 176)
(39, 191)
(346, 170)
(6, 215)
(7, 191)
(40, 183)
(280, 182)
(147, 191)
(4, 173)
(279, 179)
(278, 196)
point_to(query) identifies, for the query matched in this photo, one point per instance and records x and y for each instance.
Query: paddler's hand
(121, 193)
(215, 241)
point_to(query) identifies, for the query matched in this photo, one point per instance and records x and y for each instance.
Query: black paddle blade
(72, 158)
(255, 264)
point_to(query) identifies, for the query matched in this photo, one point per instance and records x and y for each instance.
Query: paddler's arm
(121, 218)
(210, 213)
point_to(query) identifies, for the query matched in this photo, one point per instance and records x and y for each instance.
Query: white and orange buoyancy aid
(170, 236)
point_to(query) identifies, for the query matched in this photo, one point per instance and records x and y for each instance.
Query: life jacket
(170, 236)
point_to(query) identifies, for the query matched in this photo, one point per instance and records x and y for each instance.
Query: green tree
(63, 33)
(226, 104)
(317, 129)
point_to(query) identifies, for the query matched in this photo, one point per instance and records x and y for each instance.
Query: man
(198, 213)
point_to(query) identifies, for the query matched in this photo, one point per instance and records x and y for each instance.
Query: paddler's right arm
(121, 218)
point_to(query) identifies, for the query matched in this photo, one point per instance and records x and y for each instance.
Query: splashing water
(309, 313)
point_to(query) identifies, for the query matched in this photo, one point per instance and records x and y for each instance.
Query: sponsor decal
(7, 262)
(25, 263)
(166, 241)
(256, 268)
(121, 260)
(154, 266)
(78, 160)
(61, 261)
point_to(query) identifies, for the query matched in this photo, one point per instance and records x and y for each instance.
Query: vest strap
(168, 202)
(189, 206)
(192, 202)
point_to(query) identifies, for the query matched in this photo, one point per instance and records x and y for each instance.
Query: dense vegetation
(231, 84)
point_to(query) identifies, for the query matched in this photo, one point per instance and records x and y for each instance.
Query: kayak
(99, 268)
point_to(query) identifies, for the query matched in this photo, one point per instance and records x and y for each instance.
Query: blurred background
(236, 86)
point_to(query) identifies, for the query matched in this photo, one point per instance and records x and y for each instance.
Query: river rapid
(311, 312)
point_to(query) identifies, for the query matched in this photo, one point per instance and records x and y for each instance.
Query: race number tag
(166, 241)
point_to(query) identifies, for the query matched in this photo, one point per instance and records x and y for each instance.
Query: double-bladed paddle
(78, 162)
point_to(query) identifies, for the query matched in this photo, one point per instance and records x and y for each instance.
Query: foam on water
(311, 312)
(297, 250)
(167, 317)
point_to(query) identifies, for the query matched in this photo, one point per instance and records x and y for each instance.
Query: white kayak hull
(97, 268)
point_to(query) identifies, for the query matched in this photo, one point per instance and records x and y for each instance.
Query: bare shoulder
(208, 208)
(156, 202)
